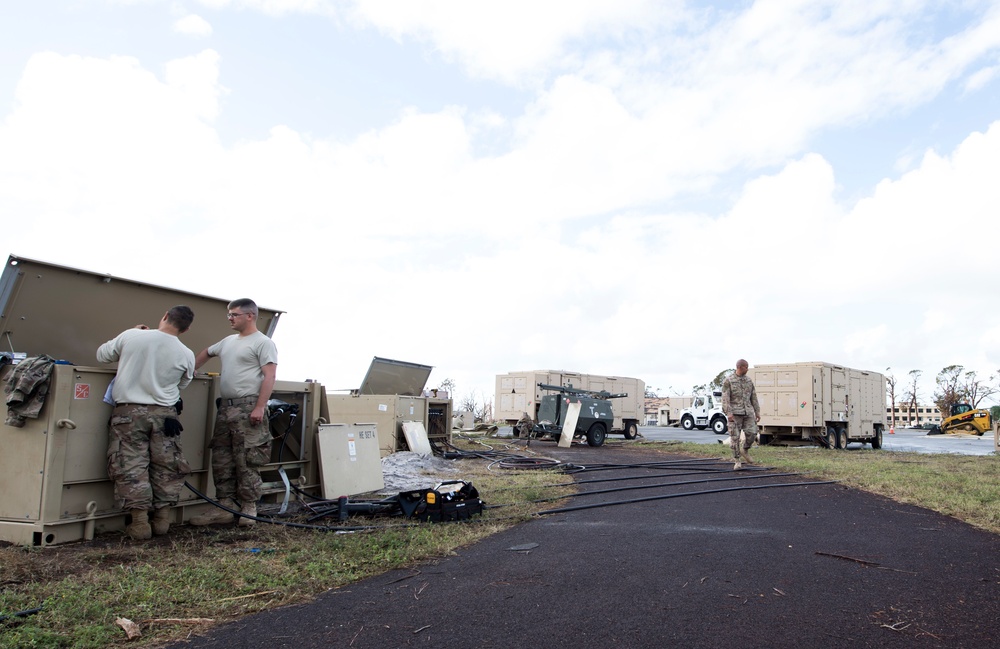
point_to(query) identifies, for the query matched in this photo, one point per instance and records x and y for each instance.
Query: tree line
(954, 385)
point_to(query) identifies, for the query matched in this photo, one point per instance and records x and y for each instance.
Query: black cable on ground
(639, 477)
(665, 484)
(562, 510)
(306, 526)
(25, 613)
(576, 468)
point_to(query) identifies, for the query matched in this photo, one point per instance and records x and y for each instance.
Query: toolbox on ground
(455, 500)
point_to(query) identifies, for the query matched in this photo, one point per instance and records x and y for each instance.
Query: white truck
(705, 411)
(518, 393)
(819, 403)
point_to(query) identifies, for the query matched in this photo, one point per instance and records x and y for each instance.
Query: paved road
(816, 565)
(904, 439)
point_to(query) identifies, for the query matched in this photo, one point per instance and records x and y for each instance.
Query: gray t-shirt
(242, 359)
(153, 366)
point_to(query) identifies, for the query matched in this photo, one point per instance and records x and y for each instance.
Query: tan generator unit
(518, 392)
(53, 470)
(390, 394)
(821, 403)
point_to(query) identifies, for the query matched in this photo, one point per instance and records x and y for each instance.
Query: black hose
(25, 613)
(562, 510)
(664, 484)
(322, 528)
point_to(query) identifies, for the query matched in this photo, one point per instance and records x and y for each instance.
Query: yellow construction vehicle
(966, 419)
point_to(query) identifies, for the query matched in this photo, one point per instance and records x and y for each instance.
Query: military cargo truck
(518, 393)
(819, 403)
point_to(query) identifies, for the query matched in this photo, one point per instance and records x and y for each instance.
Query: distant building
(908, 416)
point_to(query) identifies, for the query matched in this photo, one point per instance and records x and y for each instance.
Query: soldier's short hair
(245, 303)
(181, 317)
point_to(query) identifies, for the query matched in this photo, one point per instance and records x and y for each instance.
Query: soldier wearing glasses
(241, 443)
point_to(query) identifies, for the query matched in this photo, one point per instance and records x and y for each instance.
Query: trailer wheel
(877, 440)
(631, 430)
(720, 426)
(596, 434)
(842, 438)
(763, 439)
(687, 422)
(830, 439)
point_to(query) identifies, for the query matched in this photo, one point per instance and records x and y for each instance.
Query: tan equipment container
(391, 394)
(518, 393)
(53, 471)
(819, 403)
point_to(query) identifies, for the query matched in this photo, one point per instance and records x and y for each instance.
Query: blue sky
(649, 189)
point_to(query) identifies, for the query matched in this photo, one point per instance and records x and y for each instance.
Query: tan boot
(215, 516)
(139, 528)
(249, 510)
(161, 521)
(737, 465)
(745, 454)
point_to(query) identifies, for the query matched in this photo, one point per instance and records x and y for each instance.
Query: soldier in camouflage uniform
(739, 403)
(145, 459)
(241, 443)
(524, 426)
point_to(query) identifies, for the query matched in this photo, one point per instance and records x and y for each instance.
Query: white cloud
(567, 248)
(193, 25)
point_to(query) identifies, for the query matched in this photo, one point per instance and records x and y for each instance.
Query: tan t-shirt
(242, 359)
(153, 366)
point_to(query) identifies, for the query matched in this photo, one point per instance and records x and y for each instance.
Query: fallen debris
(131, 628)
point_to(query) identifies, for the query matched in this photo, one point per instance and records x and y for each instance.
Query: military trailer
(595, 418)
(819, 403)
(518, 393)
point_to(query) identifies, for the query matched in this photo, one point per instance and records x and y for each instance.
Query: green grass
(194, 574)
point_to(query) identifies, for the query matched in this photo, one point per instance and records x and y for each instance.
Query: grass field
(193, 577)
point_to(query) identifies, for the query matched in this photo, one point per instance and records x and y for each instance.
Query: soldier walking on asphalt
(241, 443)
(145, 460)
(739, 402)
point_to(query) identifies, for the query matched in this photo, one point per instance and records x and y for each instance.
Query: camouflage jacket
(739, 397)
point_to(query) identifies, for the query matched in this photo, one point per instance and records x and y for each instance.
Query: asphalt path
(761, 565)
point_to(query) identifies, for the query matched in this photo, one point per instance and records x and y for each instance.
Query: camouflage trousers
(148, 468)
(747, 424)
(239, 449)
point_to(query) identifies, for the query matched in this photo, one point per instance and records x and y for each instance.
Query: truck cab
(705, 411)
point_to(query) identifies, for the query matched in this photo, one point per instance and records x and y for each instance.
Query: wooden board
(569, 426)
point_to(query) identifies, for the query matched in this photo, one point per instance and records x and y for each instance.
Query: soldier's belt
(238, 401)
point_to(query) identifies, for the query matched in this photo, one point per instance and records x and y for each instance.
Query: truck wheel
(631, 430)
(720, 426)
(596, 434)
(842, 438)
(877, 440)
(763, 439)
(831, 437)
(687, 422)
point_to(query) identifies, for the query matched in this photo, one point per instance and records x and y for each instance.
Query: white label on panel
(382, 407)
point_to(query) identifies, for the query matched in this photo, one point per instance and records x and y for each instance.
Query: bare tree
(480, 408)
(976, 389)
(949, 389)
(448, 385)
(890, 382)
(913, 393)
